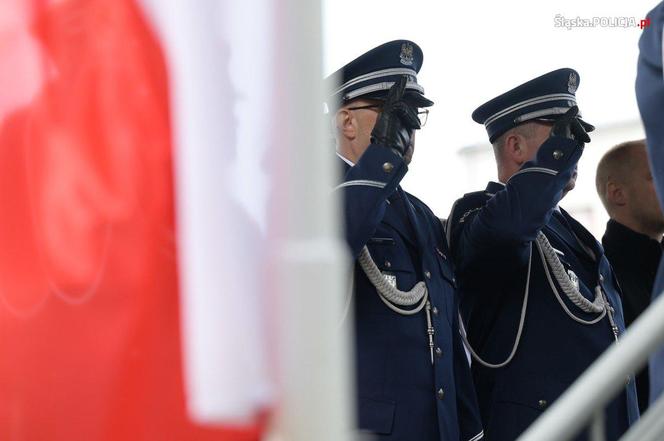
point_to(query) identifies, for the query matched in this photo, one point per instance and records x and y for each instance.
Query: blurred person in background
(537, 295)
(412, 376)
(633, 238)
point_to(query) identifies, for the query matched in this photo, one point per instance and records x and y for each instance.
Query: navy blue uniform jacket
(401, 396)
(491, 233)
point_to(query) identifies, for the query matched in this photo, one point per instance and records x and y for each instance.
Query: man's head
(625, 186)
(519, 145)
(353, 123)
(520, 120)
(360, 88)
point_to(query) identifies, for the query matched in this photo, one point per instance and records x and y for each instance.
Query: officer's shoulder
(462, 208)
(467, 204)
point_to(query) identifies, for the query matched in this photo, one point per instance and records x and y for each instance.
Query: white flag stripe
(219, 260)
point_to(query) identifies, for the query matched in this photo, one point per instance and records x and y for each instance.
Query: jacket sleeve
(366, 187)
(504, 225)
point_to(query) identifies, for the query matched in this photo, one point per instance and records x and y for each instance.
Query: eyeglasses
(422, 114)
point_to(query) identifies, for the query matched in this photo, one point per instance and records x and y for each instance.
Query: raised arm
(503, 225)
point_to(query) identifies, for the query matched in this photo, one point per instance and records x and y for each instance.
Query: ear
(346, 124)
(516, 148)
(615, 194)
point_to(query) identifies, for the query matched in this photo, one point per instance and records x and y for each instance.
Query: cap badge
(572, 83)
(406, 55)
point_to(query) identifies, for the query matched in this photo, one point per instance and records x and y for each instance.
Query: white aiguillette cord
(549, 257)
(388, 293)
(393, 297)
(464, 337)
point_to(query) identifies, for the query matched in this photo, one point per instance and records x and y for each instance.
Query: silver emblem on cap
(406, 55)
(572, 83)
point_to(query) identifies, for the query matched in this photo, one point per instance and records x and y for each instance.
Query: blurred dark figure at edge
(650, 97)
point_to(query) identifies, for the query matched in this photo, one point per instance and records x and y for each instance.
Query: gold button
(435, 311)
(557, 154)
(542, 403)
(388, 264)
(427, 274)
(439, 352)
(440, 393)
(388, 167)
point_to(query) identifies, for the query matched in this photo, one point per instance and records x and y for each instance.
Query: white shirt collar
(347, 161)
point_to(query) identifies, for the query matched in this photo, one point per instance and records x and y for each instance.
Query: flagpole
(314, 347)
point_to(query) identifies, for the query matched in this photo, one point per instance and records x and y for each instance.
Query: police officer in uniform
(538, 298)
(413, 379)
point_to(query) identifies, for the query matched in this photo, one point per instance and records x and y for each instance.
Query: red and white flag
(131, 268)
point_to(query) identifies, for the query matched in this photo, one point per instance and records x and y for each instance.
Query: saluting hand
(396, 123)
(569, 126)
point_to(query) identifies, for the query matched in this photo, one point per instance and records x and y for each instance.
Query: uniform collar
(346, 160)
(494, 187)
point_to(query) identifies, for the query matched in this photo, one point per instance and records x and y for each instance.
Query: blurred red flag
(90, 346)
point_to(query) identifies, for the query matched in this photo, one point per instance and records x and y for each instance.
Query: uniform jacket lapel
(410, 212)
(400, 222)
(584, 236)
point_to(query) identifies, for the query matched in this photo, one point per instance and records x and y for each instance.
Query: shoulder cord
(548, 255)
(389, 294)
(464, 337)
(599, 305)
(378, 280)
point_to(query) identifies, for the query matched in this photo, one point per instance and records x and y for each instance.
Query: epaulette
(462, 208)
